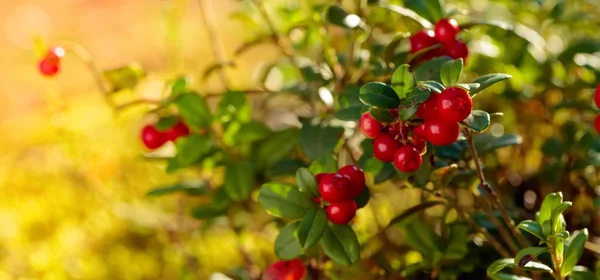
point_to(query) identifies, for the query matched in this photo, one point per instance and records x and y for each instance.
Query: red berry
(317, 200)
(384, 147)
(356, 176)
(47, 68)
(440, 132)
(335, 187)
(152, 138)
(54, 55)
(394, 113)
(285, 270)
(446, 30)
(369, 126)
(597, 96)
(341, 212)
(427, 109)
(421, 40)
(320, 176)
(418, 142)
(420, 130)
(407, 159)
(456, 49)
(454, 104)
(178, 130)
(597, 123)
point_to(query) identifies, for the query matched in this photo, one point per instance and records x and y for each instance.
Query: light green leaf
(194, 110)
(432, 86)
(451, 71)
(526, 255)
(550, 202)
(306, 182)
(284, 201)
(487, 81)
(574, 251)
(403, 81)
(532, 227)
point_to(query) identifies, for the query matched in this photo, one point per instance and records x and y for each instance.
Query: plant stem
(501, 228)
(488, 236)
(210, 22)
(490, 192)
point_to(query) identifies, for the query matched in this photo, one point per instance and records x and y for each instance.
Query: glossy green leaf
(550, 202)
(478, 121)
(239, 179)
(451, 71)
(500, 264)
(432, 86)
(306, 182)
(312, 227)
(408, 13)
(416, 96)
(526, 255)
(194, 110)
(324, 164)
(339, 242)
(126, 77)
(165, 123)
(407, 113)
(189, 187)
(363, 198)
(429, 9)
(381, 115)
(276, 146)
(574, 251)
(430, 70)
(468, 87)
(318, 140)
(487, 81)
(380, 95)
(190, 150)
(556, 215)
(403, 81)
(284, 201)
(287, 245)
(532, 227)
(486, 143)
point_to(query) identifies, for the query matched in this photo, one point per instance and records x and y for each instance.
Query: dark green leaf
(478, 120)
(429, 9)
(165, 123)
(500, 264)
(574, 250)
(468, 87)
(306, 182)
(381, 115)
(189, 187)
(430, 70)
(340, 243)
(194, 110)
(432, 86)
(487, 143)
(407, 113)
(283, 168)
(287, 246)
(350, 105)
(251, 132)
(380, 95)
(317, 140)
(586, 45)
(190, 150)
(336, 15)
(284, 201)
(125, 77)
(363, 198)
(451, 71)
(324, 164)
(526, 255)
(422, 238)
(239, 179)
(532, 227)
(412, 210)
(276, 146)
(415, 97)
(487, 81)
(312, 227)
(403, 81)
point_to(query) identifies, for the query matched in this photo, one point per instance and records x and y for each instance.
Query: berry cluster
(403, 143)
(50, 65)
(597, 101)
(288, 270)
(154, 138)
(445, 32)
(340, 189)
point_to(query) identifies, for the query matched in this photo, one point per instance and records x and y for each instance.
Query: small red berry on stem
(422, 39)
(180, 129)
(407, 159)
(288, 270)
(50, 65)
(369, 126)
(384, 147)
(420, 130)
(456, 49)
(418, 142)
(356, 176)
(597, 123)
(48, 69)
(446, 30)
(427, 109)
(335, 187)
(320, 176)
(440, 132)
(152, 138)
(341, 212)
(454, 104)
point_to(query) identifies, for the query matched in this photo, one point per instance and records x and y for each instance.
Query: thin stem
(210, 22)
(499, 225)
(490, 192)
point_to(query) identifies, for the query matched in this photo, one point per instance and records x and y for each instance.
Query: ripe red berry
(454, 104)
(597, 123)
(50, 65)
(152, 138)
(420, 130)
(288, 270)
(427, 109)
(54, 55)
(47, 68)
(394, 113)
(407, 159)
(356, 176)
(456, 49)
(180, 129)
(421, 40)
(384, 147)
(369, 126)
(597, 96)
(418, 142)
(335, 187)
(320, 176)
(341, 212)
(440, 132)
(446, 30)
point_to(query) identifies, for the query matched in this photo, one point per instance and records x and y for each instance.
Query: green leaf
(284, 168)
(412, 210)
(251, 132)
(457, 248)
(178, 86)
(324, 164)
(526, 255)
(407, 113)
(233, 106)
(550, 202)
(451, 71)
(218, 206)
(581, 273)
(408, 13)
(318, 140)
(416, 96)
(276, 146)
(306, 182)
(430, 70)
(165, 123)
(350, 105)
(312, 227)
(190, 150)
(486, 143)
(284, 201)
(500, 264)
(239, 179)
(194, 110)
(287, 246)
(487, 81)
(363, 198)
(555, 216)
(574, 251)
(432, 86)
(189, 187)
(125, 77)
(508, 276)
(422, 238)
(429, 9)
(381, 115)
(468, 87)
(477, 121)
(336, 15)
(340, 243)
(403, 81)
(586, 45)
(380, 95)
(532, 227)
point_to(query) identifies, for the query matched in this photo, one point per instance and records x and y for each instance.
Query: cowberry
(422, 39)
(369, 126)
(50, 65)
(407, 159)
(47, 68)
(399, 129)
(454, 104)
(597, 123)
(152, 138)
(335, 187)
(441, 132)
(418, 142)
(427, 109)
(320, 176)
(180, 129)
(446, 30)
(420, 130)
(356, 176)
(456, 49)
(341, 212)
(288, 270)
(384, 147)
(597, 96)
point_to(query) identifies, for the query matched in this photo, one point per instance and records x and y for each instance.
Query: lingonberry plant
(383, 99)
